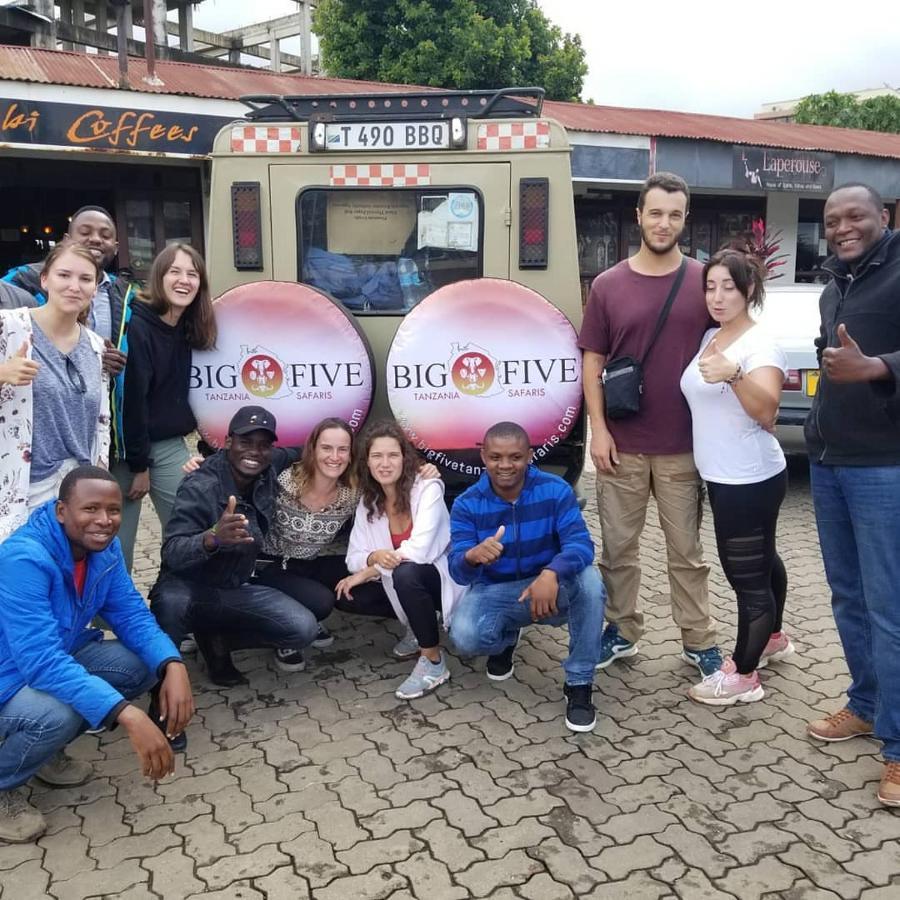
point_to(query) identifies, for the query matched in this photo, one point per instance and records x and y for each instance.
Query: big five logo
(472, 369)
(262, 373)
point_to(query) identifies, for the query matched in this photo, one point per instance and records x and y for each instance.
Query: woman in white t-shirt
(733, 387)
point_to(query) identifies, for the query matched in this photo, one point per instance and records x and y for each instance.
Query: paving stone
(146, 820)
(314, 858)
(508, 811)
(242, 866)
(877, 866)
(765, 877)
(643, 853)
(135, 847)
(623, 829)
(543, 887)
(476, 784)
(695, 885)
(196, 786)
(819, 837)
(378, 884)
(639, 884)
(336, 825)
(284, 829)
(27, 881)
(483, 878)
(872, 830)
(359, 796)
(583, 801)
(567, 865)
(103, 821)
(465, 814)
(283, 884)
(225, 759)
(65, 853)
(204, 840)
(13, 855)
(630, 797)
(428, 877)
(805, 890)
(696, 850)
(233, 808)
(749, 847)
(386, 822)
(376, 769)
(239, 891)
(172, 874)
(497, 842)
(822, 870)
(422, 789)
(449, 845)
(100, 882)
(367, 853)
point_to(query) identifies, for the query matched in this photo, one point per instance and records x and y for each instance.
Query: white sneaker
(407, 646)
(425, 677)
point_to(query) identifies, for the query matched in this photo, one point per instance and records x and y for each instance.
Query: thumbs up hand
(488, 551)
(19, 370)
(232, 527)
(847, 364)
(715, 366)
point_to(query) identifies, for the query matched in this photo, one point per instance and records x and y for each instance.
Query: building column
(186, 27)
(159, 27)
(782, 213)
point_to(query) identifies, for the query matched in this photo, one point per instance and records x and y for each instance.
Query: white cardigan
(428, 542)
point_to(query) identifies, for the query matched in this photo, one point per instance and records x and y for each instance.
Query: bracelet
(738, 375)
(215, 538)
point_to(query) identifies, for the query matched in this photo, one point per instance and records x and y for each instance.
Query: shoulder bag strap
(664, 312)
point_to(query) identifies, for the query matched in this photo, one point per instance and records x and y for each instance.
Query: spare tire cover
(479, 352)
(288, 348)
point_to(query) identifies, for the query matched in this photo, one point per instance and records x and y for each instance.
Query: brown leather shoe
(839, 726)
(889, 789)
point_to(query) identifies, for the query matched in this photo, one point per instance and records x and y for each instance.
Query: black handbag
(623, 377)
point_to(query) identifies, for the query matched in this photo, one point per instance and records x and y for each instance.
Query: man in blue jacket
(519, 541)
(58, 676)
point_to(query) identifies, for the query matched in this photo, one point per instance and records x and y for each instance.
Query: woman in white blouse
(733, 387)
(399, 544)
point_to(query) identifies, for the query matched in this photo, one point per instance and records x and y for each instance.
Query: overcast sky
(703, 56)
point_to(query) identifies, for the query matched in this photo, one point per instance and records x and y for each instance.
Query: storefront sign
(288, 348)
(479, 352)
(106, 128)
(771, 169)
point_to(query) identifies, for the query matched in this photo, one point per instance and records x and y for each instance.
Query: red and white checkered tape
(381, 175)
(513, 135)
(265, 139)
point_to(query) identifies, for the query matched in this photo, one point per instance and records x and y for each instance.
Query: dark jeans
(745, 517)
(418, 588)
(252, 615)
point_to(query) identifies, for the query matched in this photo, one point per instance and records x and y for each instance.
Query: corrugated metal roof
(218, 82)
(693, 126)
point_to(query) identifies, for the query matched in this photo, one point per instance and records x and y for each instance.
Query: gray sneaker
(407, 646)
(188, 647)
(63, 771)
(425, 677)
(20, 822)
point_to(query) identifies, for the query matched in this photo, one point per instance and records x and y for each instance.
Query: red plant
(766, 244)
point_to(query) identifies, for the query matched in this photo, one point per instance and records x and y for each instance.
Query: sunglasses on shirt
(76, 379)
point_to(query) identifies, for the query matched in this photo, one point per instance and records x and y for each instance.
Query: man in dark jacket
(853, 437)
(206, 586)
(93, 228)
(59, 676)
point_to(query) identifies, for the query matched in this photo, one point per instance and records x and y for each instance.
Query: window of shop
(607, 230)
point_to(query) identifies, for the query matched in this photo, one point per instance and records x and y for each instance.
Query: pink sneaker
(726, 687)
(780, 646)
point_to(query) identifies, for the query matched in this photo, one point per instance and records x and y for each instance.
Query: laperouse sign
(776, 169)
(107, 128)
(479, 352)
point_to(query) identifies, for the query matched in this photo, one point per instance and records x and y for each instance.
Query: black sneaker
(580, 714)
(500, 666)
(289, 660)
(177, 743)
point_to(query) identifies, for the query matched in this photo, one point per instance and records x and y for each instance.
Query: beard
(657, 248)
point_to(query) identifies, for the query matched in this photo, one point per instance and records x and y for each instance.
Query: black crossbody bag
(623, 377)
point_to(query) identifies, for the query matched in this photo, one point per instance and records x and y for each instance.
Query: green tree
(845, 111)
(463, 44)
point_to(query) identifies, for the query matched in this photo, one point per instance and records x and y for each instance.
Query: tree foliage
(845, 111)
(463, 44)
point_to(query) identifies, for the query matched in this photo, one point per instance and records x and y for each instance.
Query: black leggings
(745, 517)
(312, 582)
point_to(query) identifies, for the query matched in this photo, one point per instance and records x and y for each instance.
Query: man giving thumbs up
(519, 542)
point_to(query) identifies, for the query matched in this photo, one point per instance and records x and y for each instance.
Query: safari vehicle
(430, 233)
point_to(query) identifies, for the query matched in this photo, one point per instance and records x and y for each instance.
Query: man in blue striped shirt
(519, 541)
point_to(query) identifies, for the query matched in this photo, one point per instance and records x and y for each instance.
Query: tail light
(534, 207)
(246, 225)
(793, 380)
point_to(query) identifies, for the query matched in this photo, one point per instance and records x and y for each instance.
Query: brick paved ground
(323, 785)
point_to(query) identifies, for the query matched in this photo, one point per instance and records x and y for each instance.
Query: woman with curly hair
(398, 545)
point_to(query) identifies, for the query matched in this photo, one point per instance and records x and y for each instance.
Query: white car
(791, 315)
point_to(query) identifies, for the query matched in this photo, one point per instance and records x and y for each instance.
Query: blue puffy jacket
(43, 621)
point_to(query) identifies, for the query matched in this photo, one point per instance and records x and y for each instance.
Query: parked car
(791, 315)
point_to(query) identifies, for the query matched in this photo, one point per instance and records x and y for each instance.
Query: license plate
(812, 383)
(388, 136)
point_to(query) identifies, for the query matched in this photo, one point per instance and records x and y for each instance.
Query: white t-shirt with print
(729, 446)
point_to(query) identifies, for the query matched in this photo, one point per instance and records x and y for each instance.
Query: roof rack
(520, 102)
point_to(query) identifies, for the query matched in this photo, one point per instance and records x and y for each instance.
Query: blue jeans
(252, 615)
(34, 724)
(488, 617)
(858, 517)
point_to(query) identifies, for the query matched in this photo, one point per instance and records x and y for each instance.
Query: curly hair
(373, 496)
(304, 469)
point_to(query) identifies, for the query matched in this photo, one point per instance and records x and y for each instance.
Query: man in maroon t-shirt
(651, 452)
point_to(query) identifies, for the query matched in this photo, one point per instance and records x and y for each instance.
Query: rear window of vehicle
(383, 251)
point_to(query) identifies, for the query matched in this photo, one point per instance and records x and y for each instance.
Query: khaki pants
(622, 499)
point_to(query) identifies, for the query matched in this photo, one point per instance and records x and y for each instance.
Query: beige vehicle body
(280, 171)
